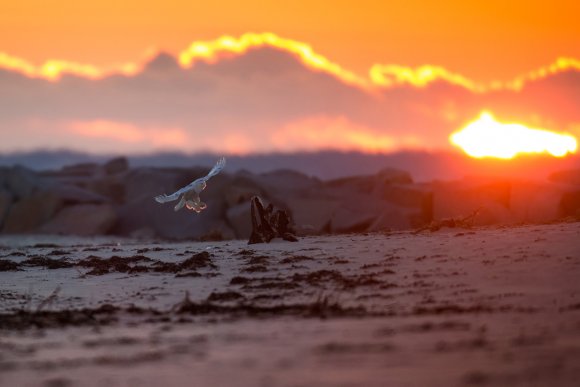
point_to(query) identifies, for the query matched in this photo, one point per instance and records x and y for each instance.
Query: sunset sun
(487, 137)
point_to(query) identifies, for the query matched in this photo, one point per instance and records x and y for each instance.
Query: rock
(392, 217)
(5, 203)
(351, 185)
(571, 176)
(37, 199)
(368, 184)
(79, 170)
(358, 212)
(144, 213)
(239, 218)
(116, 166)
(284, 180)
(537, 202)
(149, 182)
(570, 200)
(570, 204)
(110, 187)
(140, 211)
(414, 203)
(346, 220)
(408, 195)
(241, 190)
(461, 198)
(30, 212)
(20, 181)
(358, 203)
(311, 215)
(82, 219)
(70, 194)
(394, 176)
(502, 202)
(54, 201)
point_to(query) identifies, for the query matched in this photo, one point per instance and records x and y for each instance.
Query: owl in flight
(190, 193)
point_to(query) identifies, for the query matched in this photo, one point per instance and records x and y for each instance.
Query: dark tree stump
(267, 224)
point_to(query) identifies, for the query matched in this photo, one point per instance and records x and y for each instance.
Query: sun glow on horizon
(486, 137)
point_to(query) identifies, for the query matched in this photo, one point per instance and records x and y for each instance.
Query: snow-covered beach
(494, 306)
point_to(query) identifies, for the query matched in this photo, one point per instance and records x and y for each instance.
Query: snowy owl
(190, 193)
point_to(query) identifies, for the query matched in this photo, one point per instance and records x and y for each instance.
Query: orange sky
(403, 75)
(483, 40)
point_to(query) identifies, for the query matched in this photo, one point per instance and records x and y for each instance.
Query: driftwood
(268, 224)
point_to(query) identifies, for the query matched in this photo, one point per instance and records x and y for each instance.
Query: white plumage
(190, 193)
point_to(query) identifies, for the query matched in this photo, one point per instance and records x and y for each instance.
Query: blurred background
(439, 90)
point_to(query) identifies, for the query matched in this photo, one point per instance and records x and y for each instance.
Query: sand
(485, 306)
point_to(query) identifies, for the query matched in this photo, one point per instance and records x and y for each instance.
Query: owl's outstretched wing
(217, 168)
(196, 185)
(167, 198)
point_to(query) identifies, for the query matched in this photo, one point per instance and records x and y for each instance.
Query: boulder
(285, 180)
(373, 185)
(570, 204)
(351, 185)
(570, 200)
(311, 215)
(571, 176)
(20, 181)
(355, 204)
(29, 213)
(71, 194)
(346, 220)
(5, 203)
(361, 203)
(79, 170)
(110, 187)
(141, 212)
(393, 217)
(537, 202)
(116, 166)
(239, 218)
(82, 219)
(394, 176)
(241, 190)
(357, 213)
(145, 213)
(461, 198)
(415, 201)
(407, 195)
(149, 182)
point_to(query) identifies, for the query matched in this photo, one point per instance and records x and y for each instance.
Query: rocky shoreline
(114, 199)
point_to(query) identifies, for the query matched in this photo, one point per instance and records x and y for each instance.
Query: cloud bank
(244, 96)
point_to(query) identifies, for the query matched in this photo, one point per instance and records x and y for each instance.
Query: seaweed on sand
(322, 307)
(8, 265)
